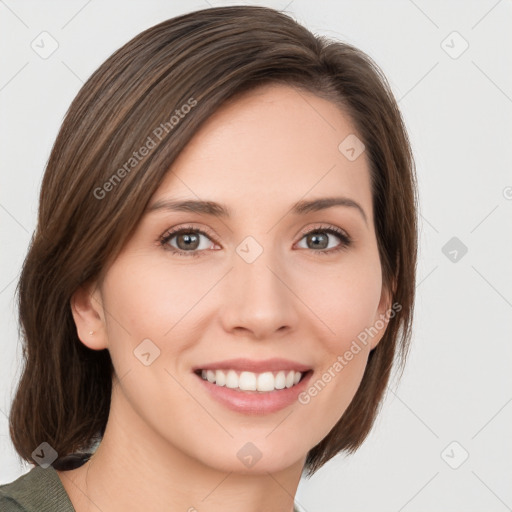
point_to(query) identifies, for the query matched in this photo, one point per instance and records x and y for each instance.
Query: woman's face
(250, 285)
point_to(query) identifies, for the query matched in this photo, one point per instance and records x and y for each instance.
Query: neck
(134, 468)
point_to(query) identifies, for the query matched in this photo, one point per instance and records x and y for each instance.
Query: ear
(87, 309)
(382, 316)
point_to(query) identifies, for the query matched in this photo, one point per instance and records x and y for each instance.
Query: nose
(259, 300)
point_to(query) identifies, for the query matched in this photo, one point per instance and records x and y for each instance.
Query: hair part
(210, 55)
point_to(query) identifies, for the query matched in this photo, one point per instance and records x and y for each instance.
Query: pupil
(188, 238)
(315, 238)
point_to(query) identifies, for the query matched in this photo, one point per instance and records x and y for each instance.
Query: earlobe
(87, 311)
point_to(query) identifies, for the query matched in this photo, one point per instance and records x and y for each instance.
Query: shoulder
(10, 492)
(9, 505)
(39, 489)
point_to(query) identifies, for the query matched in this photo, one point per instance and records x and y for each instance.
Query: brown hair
(200, 59)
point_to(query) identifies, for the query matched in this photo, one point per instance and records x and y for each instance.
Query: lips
(250, 365)
(264, 391)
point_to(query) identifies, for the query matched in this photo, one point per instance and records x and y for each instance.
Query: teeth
(249, 381)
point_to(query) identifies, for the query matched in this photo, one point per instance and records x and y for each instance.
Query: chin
(248, 459)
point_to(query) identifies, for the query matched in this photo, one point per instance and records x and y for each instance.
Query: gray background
(455, 397)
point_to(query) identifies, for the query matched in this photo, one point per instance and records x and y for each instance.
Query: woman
(222, 273)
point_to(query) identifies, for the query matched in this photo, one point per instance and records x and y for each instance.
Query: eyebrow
(214, 209)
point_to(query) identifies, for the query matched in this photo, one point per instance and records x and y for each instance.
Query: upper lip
(251, 365)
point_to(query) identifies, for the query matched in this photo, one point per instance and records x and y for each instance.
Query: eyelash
(346, 241)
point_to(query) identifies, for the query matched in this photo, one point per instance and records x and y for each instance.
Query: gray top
(40, 490)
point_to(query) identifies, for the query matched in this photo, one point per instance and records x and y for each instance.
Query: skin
(168, 444)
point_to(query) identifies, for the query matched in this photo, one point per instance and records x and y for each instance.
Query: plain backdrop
(441, 442)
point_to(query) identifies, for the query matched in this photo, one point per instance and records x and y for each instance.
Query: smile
(250, 381)
(254, 387)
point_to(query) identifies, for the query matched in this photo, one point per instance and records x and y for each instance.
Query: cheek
(343, 299)
(345, 304)
(156, 300)
(330, 393)
(149, 298)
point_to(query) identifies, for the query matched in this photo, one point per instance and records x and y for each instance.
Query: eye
(188, 241)
(318, 237)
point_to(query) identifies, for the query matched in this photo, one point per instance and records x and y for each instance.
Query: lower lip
(256, 402)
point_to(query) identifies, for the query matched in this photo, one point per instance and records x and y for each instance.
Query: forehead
(276, 144)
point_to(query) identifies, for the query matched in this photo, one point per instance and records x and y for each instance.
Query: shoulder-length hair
(94, 192)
